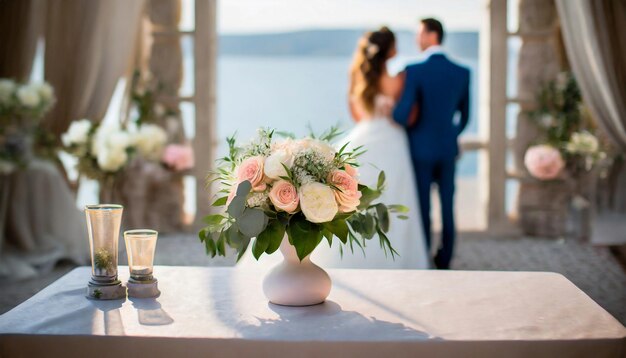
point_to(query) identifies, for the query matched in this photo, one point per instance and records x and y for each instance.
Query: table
(370, 313)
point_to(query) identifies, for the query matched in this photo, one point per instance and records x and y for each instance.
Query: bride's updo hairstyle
(368, 65)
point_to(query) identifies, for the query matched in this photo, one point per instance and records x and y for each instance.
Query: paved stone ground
(591, 268)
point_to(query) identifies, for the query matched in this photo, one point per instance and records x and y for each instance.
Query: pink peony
(178, 157)
(252, 170)
(544, 162)
(284, 196)
(347, 193)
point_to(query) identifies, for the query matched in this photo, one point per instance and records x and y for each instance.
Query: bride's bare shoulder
(392, 85)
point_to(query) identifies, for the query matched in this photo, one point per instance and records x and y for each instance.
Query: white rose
(112, 160)
(150, 140)
(45, 91)
(273, 167)
(317, 202)
(77, 133)
(28, 96)
(7, 87)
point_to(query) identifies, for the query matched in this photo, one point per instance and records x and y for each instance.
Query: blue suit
(439, 89)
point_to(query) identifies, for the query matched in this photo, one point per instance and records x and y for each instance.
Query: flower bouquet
(22, 105)
(292, 194)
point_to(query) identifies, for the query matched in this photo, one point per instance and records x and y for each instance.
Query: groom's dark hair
(433, 25)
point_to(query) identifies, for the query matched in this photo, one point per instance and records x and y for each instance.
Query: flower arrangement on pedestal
(569, 148)
(22, 105)
(291, 194)
(569, 138)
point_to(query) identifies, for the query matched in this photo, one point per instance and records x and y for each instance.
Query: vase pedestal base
(113, 291)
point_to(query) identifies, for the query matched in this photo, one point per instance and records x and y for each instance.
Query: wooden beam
(205, 64)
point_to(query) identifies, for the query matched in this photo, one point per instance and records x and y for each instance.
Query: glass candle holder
(140, 247)
(103, 226)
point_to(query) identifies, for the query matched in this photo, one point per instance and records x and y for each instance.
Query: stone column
(153, 195)
(542, 205)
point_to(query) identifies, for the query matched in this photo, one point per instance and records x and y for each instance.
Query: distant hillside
(331, 43)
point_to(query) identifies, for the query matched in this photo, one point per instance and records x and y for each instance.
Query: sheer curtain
(595, 41)
(89, 46)
(20, 27)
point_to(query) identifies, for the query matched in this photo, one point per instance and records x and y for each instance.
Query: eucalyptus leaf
(234, 237)
(252, 222)
(238, 204)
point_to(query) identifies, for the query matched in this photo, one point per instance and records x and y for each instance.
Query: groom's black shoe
(441, 265)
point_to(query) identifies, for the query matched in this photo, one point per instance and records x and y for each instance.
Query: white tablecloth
(222, 312)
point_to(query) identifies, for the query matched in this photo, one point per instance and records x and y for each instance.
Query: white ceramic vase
(294, 282)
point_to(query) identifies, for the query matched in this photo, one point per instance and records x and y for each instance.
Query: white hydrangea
(323, 148)
(582, 143)
(112, 159)
(150, 140)
(28, 96)
(109, 146)
(257, 199)
(77, 133)
(7, 87)
(45, 91)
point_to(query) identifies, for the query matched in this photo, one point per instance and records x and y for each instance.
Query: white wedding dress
(387, 149)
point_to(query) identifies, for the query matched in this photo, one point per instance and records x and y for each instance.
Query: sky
(254, 16)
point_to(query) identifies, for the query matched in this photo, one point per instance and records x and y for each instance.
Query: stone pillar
(542, 205)
(153, 196)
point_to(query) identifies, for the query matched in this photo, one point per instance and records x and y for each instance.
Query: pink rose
(352, 171)
(252, 170)
(544, 162)
(178, 157)
(284, 196)
(347, 193)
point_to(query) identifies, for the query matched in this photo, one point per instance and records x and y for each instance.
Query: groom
(435, 90)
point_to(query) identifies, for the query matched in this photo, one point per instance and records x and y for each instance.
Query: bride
(372, 94)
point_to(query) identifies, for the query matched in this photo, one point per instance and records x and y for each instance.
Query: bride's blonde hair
(368, 65)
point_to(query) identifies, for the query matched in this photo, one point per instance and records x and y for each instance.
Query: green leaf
(260, 245)
(381, 181)
(242, 249)
(213, 220)
(402, 217)
(367, 196)
(339, 228)
(220, 201)
(252, 222)
(304, 235)
(238, 204)
(383, 216)
(396, 208)
(276, 232)
(329, 237)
